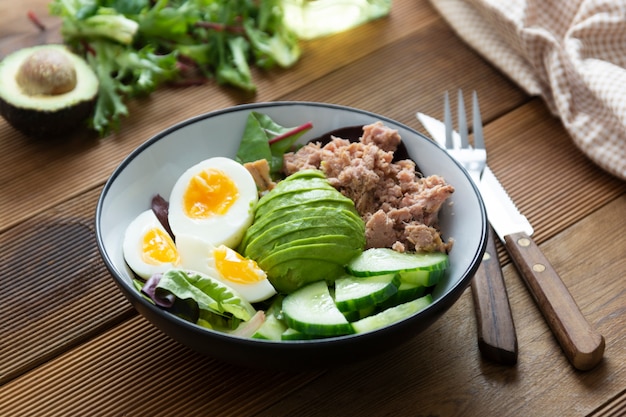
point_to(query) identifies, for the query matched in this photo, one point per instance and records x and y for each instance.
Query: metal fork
(473, 159)
(497, 338)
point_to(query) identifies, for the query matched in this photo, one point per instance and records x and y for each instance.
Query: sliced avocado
(257, 247)
(290, 211)
(261, 251)
(299, 228)
(291, 275)
(299, 183)
(306, 173)
(298, 198)
(294, 187)
(304, 182)
(46, 90)
(339, 253)
(291, 228)
(328, 211)
(342, 240)
(282, 234)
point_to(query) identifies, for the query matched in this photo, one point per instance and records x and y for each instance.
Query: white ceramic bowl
(155, 165)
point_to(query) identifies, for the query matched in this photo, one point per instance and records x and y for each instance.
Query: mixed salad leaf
(198, 298)
(136, 45)
(263, 138)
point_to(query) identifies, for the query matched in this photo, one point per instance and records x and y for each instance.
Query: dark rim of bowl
(454, 293)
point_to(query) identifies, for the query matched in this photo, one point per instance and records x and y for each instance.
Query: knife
(582, 345)
(497, 339)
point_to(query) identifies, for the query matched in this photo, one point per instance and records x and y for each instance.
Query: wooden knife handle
(582, 345)
(497, 339)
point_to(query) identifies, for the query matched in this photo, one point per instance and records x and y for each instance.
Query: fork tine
(462, 121)
(479, 140)
(447, 118)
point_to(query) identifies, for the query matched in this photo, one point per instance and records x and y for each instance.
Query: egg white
(218, 229)
(197, 255)
(133, 246)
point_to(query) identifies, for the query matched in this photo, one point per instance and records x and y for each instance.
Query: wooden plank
(412, 75)
(150, 372)
(614, 408)
(18, 30)
(550, 180)
(439, 373)
(58, 288)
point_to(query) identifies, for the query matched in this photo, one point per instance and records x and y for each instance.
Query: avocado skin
(45, 124)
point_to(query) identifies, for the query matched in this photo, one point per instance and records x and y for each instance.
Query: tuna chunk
(381, 136)
(260, 171)
(399, 206)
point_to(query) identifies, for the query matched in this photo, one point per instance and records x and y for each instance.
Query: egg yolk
(158, 248)
(236, 268)
(210, 192)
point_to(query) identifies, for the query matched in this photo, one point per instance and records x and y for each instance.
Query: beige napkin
(570, 52)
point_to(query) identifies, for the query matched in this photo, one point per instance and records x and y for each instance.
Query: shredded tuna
(381, 136)
(399, 206)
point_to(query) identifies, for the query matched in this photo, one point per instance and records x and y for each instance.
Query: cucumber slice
(377, 261)
(271, 329)
(421, 277)
(355, 293)
(311, 310)
(406, 292)
(293, 334)
(359, 314)
(391, 315)
(274, 325)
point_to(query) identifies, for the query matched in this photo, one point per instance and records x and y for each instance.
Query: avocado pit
(47, 71)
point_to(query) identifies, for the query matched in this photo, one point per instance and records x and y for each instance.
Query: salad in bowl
(290, 233)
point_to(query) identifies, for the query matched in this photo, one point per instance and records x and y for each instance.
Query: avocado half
(44, 112)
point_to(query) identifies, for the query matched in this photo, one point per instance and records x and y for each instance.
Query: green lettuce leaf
(124, 72)
(233, 68)
(211, 296)
(265, 139)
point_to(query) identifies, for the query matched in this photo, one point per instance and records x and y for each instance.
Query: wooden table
(70, 344)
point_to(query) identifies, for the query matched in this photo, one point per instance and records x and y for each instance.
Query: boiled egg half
(226, 265)
(213, 200)
(148, 248)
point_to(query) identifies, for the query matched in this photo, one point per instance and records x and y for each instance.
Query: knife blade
(583, 346)
(497, 338)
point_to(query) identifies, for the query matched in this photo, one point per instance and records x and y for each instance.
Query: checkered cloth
(570, 52)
